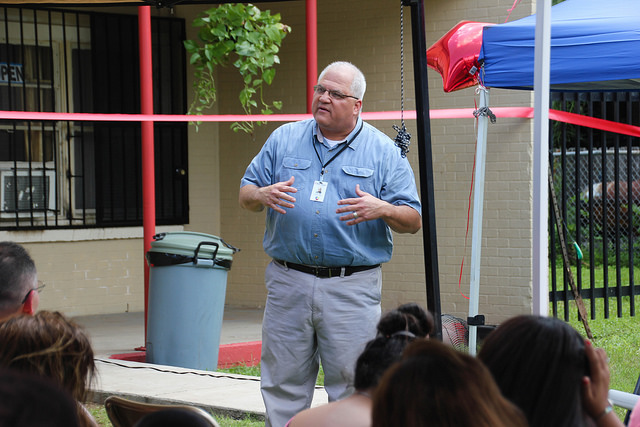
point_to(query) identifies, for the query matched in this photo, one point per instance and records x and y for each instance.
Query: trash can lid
(187, 242)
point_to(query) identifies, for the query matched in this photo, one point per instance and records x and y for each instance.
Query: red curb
(244, 353)
(139, 356)
(229, 355)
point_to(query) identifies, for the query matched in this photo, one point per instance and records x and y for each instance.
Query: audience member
(634, 419)
(18, 281)
(396, 329)
(435, 385)
(29, 400)
(550, 372)
(52, 346)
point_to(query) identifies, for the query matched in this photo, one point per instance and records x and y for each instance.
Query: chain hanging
(403, 139)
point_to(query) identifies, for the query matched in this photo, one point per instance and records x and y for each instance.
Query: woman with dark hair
(435, 385)
(29, 400)
(50, 345)
(550, 372)
(396, 329)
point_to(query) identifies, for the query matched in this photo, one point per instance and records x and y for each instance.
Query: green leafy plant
(248, 38)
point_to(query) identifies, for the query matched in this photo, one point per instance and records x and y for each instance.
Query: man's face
(336, 117)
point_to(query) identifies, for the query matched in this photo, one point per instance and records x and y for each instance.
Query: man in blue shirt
(334, 187)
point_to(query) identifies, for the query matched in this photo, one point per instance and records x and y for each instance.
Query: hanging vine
(246, 37)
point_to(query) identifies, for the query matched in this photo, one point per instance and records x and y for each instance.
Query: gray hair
(17, 275)
(358, 84)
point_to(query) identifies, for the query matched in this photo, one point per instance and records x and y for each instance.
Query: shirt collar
(317, 135)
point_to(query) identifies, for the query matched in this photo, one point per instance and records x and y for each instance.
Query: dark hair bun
(407, 317)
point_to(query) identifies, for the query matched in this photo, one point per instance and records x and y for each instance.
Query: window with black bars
(57, 174)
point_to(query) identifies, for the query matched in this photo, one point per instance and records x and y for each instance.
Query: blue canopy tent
(594, 45)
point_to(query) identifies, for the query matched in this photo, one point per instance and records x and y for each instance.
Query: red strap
(515, 3)
(451, 113)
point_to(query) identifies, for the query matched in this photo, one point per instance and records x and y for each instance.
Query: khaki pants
(308, 320)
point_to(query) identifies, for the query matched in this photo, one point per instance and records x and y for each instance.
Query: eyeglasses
(333, 94)
(38, 289)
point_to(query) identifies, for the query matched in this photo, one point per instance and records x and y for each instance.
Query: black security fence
(56, 174)
(596, 178)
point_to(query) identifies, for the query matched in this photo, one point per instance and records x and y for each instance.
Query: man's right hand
(274, 196)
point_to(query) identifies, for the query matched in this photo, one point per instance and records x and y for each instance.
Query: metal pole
(426, 162)
(148, 162)
(478, 207)
(540, 274)
(312, 50)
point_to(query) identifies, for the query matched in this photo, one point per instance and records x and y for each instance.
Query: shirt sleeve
(260, 171)
(399, 184)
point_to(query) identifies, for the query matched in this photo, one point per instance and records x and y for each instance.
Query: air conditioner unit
(27, 192)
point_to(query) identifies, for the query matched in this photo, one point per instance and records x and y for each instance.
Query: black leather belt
(326, 272)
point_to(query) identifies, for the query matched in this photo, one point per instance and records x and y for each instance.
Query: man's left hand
(366, 207)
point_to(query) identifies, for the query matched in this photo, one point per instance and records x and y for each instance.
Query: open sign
(11, 73)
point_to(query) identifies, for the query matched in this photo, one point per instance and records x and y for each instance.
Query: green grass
(255, 371)
(248, 421)
(598, 276)
(619, 337)
(99, 413)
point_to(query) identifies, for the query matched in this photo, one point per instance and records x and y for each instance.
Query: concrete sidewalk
(225, 394)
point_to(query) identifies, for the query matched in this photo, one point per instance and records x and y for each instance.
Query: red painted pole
(312, 49)
(148, 163)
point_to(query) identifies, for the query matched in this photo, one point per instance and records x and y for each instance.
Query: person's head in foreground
(29, 400)
(50, 345)
(548, 370)
(435, 385)
(396, 329)
(18, 281)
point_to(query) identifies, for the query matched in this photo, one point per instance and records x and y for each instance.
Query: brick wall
(90, 277)
(103, 272)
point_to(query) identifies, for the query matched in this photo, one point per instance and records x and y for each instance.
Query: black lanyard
(338, 153)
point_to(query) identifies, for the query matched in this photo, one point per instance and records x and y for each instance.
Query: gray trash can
(187, 287)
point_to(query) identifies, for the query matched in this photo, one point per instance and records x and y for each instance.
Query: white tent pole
(540, 254)
(478, 205)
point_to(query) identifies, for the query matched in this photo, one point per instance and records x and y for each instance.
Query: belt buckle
(322, 272)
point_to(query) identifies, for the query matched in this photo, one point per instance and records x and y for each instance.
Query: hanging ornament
(403, 139)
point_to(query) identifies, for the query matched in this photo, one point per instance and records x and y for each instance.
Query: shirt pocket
(356, 175)
(291, 167)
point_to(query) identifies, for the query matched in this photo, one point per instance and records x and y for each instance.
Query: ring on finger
(355, 215)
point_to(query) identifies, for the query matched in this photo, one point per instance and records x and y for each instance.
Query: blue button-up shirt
(311, 233)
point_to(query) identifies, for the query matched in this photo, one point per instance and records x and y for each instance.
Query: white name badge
(318, 191)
